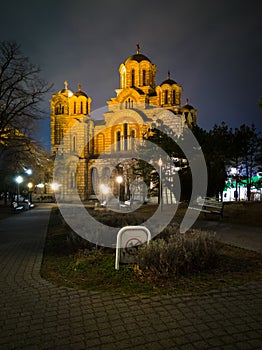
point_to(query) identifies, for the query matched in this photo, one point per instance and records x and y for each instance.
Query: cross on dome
(66, 85)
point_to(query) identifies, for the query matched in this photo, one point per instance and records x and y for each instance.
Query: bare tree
(21, 91)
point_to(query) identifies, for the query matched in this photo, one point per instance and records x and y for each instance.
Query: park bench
(208, 206)
(17, 207)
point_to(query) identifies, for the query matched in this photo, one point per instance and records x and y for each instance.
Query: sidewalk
(38, 315)
(241, 236)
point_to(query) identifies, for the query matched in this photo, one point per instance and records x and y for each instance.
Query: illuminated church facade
(129, 116)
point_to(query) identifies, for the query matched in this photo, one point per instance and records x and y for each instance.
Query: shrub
(180, 254)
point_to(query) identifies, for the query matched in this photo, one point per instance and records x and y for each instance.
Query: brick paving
(35, 314)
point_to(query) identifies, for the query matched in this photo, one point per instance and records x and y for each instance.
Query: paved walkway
(238, 235)
(35, 314)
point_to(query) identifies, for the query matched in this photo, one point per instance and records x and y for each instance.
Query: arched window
(81, 107)
(118, 140)
(125, 137)
(87, 110)
(59, 109)
(174, 97)
(166, 97)
(129, 103)
(94, 180)
(100, 144)
(144, 77)
(74, 107)
(133, 77)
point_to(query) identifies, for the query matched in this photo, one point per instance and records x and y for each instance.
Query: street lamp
(28, 171)
(119, 180)
(160, 163)
(18, 180)
(30, 186)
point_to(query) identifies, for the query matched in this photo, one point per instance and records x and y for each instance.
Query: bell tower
(67, 107)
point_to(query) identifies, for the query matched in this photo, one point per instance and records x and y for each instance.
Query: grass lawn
(68, 262)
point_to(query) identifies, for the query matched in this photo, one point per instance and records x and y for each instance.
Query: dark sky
(212, 48)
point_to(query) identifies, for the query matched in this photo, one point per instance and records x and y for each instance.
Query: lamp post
(30, 186)
(234, 173)
(119, 180)
(18, 180)
(160, 163)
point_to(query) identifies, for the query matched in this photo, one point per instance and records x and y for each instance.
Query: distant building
(128, 117)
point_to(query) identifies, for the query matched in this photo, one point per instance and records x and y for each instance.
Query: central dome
(138, 57)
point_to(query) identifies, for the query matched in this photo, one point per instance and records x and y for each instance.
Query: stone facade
(95, 151)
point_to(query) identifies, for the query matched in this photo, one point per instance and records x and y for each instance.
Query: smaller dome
(66, 91)
(79, 92)
(168, 81)
(187, 106)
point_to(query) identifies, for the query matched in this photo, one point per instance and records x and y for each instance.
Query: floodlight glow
(19, 179)
(54, 186)
(30, 185)
(233, 171)
(40, 185)
(119, 179)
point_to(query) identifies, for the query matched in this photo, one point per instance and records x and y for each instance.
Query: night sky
(212, 48)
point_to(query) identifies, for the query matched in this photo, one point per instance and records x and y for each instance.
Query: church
(95, 151)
